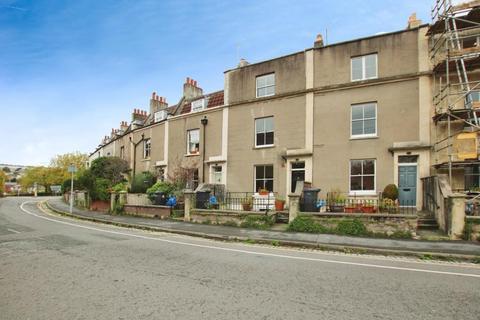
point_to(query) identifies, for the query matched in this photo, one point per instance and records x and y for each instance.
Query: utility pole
(72, 169)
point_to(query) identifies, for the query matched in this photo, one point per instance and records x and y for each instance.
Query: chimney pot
(318, 41)
(194, 83)
(153, 95)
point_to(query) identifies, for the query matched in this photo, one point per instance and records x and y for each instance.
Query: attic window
(198, 105)
(160, 115)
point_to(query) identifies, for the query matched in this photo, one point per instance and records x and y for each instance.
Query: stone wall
(138, 199)
(377, 223)
(222, 216)
(149, 211)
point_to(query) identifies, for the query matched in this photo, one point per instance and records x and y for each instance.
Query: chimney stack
(243, 63)
(123, 126)
(139, 115)
(191, 89)
(157, 103)
(318, 41)
(413, 22)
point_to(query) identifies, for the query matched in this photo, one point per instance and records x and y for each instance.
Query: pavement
(438, 249)
(56, 267)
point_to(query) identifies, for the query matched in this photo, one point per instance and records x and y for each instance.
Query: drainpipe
(135, 153)
(204, 122)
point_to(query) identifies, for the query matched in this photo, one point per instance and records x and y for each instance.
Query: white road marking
(15, 231)
(251, 252)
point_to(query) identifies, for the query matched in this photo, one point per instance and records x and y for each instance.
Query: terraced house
(355, 115)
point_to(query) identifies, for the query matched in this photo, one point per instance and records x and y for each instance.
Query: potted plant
(368, 206)
(279, 204)
(351, 208)
(336, 201)
(263, 192)
(247, 204)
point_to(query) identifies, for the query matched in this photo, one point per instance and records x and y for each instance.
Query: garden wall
(99, 205)
(228, 217)
(138, 199)
(149, 211)
(377, 223)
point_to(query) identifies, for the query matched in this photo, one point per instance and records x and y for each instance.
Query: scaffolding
(455, 55)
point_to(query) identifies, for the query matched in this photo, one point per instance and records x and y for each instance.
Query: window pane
(194, 136)
(369, 127)
(357, 68)
(268, 124)
(269, 185)
(357, 112)
(357, 127)
(260, 172)
(355, 183)
(371, 66)
(270, 91)
(356, 167)
(259, 125)
(368, 167)
(298, 165)
(269, 172)
(269, 138)
(261, 82)
(258, 185)
(368, 183)
(260, 139)
(270, 79)
(261, 92)
(369, 111)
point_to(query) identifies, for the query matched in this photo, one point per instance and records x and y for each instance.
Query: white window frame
(264, 132)
(362, 192)
(160, 116)
(189, 142)
(214, 173)
(147, 148)
(198, 105)
(266, 86)
(363, 58)
(264, 179)
(363, 135)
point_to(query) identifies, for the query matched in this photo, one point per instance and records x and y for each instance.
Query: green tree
(113, 169)
(6, 169)
(63, 161)
(43, 176)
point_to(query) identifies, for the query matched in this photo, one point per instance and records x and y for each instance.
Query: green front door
(407, 185)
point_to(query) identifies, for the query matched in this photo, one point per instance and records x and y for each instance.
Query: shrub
(110, 168)
(390, 192)
(353, 227)
(257, 222)
(306, 224)
(467, 231)
(100, 190)
(119, 187)
(142, 181)
(161, 186)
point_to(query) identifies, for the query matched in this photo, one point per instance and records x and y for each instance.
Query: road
(53, 267)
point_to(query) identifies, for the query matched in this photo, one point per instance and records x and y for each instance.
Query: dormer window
(198, 105)
(266, 85)
(160, 115)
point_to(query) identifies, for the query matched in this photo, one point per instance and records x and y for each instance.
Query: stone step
(427, 226)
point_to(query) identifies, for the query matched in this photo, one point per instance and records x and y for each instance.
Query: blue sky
(72, 70)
